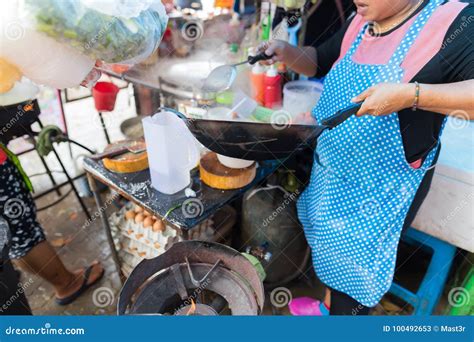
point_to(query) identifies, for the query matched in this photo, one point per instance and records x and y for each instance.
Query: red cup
(105, 94)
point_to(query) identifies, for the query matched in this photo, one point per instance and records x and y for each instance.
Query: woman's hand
(386, 98)
(278, 48)
(301, 60)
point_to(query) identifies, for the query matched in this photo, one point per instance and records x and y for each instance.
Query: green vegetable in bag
(96, 31)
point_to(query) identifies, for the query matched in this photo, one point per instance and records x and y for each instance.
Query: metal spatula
(222, 77)
(134, 147)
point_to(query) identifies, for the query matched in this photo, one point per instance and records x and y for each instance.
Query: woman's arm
(308, 60)
(452, 99)
(448, 98)
(301, 60)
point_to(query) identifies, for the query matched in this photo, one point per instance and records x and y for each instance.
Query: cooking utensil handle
(109, 153)
(262, 56)
(341, 115)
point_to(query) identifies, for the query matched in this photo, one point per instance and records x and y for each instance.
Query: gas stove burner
(193, 278)
(197, 310)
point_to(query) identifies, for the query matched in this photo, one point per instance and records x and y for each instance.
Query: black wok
(260, 141)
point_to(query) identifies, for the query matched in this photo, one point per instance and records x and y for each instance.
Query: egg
(139, 218)
(147, 222)
(138, 209)
(159, 226)
(147, 213)
(130, 215)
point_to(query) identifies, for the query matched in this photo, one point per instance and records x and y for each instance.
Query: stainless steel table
(136, 187)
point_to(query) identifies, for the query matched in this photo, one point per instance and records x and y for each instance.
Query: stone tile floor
(77, 247)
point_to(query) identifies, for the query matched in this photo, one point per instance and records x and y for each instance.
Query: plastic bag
(38, 57)
(44, 60)
(24, 90)
(57, 42)
(9, 74)
(114, 32)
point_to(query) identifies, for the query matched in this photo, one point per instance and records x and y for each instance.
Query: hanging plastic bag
(9, 74)
(47, 62)
(38, 57)
(57, 42)
(114, 32)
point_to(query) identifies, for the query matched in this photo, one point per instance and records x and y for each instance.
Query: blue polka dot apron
(361, 185)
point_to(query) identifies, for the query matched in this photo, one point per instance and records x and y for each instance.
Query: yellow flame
(192, 309)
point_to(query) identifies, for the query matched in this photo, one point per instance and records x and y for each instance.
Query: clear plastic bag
(115, 32)
(57, 42)
(44, 60)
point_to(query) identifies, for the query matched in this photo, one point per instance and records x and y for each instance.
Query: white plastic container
(172, 152)
(301, 96)
(243, 105)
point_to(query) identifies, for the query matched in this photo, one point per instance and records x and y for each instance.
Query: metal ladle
(222, 77)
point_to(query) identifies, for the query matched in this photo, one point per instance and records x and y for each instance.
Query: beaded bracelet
(417, 97)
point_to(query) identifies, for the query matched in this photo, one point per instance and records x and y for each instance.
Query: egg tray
(135, 242)
(143, 241)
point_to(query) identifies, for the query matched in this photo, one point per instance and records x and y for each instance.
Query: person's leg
(43, 261)
(28, 242)
(344, 305)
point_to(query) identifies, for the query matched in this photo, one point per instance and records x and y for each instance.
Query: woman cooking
(411, 64)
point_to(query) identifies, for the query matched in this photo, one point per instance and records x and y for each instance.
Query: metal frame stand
(104, 128)
(71, 182)
(48, 171)
(105, 224)
(56, 187)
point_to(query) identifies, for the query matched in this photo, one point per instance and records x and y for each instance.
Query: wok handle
(341, 115)
(262, 56)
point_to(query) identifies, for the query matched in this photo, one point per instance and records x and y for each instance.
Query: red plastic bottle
(272, 96)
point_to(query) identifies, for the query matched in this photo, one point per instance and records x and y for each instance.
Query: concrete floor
(77, 247)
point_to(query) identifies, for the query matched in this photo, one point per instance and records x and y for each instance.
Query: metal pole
(48, 171)
(102, 122)
(70, 181)
(63, 117)
(56, 188)
(105, 224)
